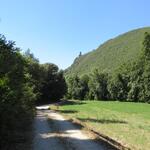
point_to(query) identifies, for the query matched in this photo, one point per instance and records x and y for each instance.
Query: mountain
(112, 54)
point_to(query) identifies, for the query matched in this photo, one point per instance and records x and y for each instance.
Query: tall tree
(53, 85)
(146, 45)
(16, 94)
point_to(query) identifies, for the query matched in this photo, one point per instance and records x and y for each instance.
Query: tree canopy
(23, 82)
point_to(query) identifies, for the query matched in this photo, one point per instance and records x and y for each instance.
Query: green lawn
(128, 123)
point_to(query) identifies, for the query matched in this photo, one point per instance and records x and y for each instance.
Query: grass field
(128, 123)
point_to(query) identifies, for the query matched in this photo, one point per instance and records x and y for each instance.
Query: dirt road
(57, 133)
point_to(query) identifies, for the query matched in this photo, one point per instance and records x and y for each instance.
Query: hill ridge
(111, 54)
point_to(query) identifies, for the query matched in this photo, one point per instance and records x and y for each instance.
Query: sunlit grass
(128, 123)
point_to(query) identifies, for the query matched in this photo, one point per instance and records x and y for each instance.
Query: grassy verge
(128, 123)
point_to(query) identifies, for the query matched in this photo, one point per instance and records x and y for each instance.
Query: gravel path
(59, 134)
(43, 134)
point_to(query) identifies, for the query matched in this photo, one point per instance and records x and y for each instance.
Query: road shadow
(103, 121)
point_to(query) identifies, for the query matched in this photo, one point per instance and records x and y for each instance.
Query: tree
(118, 87)
(146, 45)
(77, 87)
(16, 94)
(34, 72)
(98, 86)
(53, 85)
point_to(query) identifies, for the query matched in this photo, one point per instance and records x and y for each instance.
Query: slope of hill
(110, 55)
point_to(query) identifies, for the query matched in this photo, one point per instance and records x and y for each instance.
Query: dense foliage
(49, 82)
(23, 81)
(131, 82)
(16, 93)
(53, 86)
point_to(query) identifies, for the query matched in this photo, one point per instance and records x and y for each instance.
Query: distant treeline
(131, 82)
(23, 81)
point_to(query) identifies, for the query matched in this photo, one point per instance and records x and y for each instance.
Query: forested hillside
(110, 55)
(123, 71)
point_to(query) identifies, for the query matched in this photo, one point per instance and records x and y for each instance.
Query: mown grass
(128, 123)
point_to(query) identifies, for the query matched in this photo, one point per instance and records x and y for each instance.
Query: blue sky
(57, 30)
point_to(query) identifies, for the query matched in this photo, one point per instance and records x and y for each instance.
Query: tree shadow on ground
(69, 143)
(67, 111)
(103, 121)
(66, 142)
(39, 103)
(67, 102)
(63, 125)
